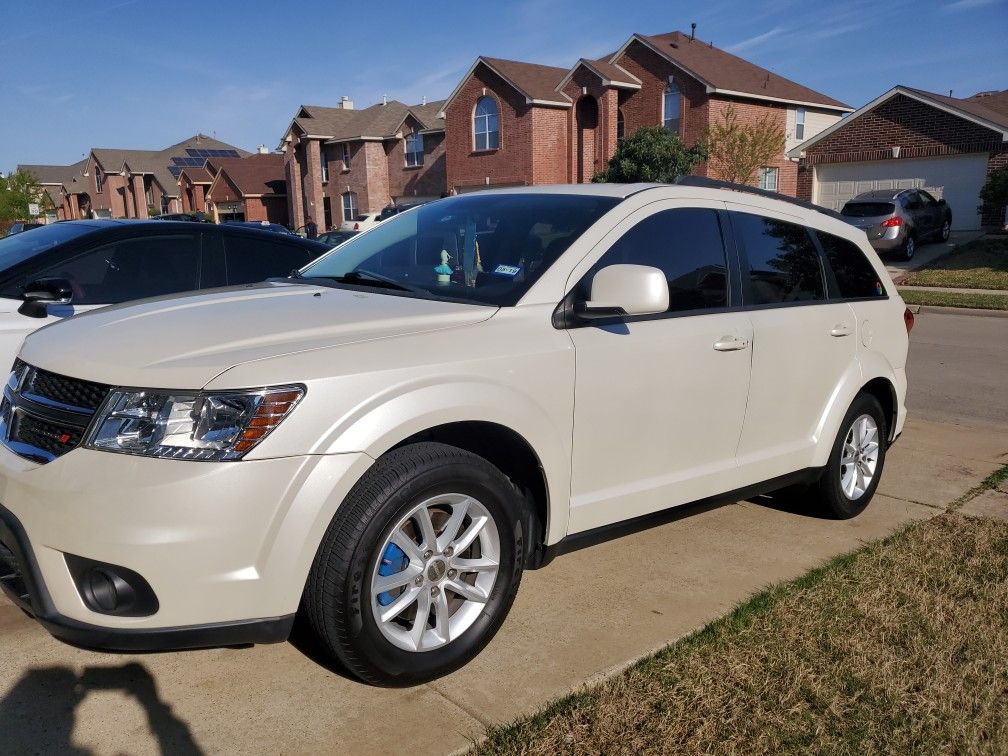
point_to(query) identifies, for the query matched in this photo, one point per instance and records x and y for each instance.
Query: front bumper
(226, 547)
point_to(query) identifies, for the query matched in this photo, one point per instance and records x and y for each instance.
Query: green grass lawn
(899, 647)
(951, 299)
(979, 264)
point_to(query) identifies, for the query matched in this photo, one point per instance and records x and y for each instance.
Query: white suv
(380, 445)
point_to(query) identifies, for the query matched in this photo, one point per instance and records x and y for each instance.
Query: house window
(325, 165)
(620, 126)
(349, 206)
(486, 124)
(768, 179)
(414, 149)
(99, 179)
(799, 128)
(344, 150)
(670, 108)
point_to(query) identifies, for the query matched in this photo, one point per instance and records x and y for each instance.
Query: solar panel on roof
(175, 170)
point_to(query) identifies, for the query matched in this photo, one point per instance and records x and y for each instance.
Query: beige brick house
(342, 161)
(512, 122)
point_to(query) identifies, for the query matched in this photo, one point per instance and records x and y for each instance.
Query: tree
(651, 154)
(994, 194)
(17, 192)
(737, 150)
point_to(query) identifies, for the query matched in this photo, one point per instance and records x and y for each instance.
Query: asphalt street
(587, 614)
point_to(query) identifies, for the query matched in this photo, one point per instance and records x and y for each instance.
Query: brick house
(512, 122)
(117, 183)
(193, 182)
(53, 179)
(908, 138)
(342, 161)
(252, 188)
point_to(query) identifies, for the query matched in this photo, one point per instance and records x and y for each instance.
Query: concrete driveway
(587, 614)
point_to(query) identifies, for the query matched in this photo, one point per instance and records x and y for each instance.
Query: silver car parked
(896, 220)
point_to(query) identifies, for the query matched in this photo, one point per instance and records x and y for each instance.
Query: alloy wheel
(435, 571)
(909, 247)
(946, 230)
(859, 457)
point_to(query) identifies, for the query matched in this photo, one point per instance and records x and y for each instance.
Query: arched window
(670, 108)
(349, 206)
(620, 126)
(414, 149)
(486, 125)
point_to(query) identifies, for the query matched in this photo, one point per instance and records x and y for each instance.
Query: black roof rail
(709, 183)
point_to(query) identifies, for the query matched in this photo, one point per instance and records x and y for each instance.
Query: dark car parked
(17, 228)
(264, 225)
(66, 268)
(896, 220)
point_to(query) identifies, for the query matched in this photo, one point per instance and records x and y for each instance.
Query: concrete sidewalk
(586, 614)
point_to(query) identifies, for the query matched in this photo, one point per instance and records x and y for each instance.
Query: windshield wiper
(369, 277)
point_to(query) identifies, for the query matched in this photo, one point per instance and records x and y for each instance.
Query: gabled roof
(157, 162)
(610, 74)
(54, 175)
(967, 108)
(536, 83)
(377, 122)
(992, 100)
(196, 174)
(727, 74)
(253, 176)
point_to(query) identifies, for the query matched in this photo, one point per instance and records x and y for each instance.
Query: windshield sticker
(507, 270)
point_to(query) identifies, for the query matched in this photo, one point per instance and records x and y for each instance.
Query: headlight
(210, 427)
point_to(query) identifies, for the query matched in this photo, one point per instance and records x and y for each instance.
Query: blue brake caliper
(393, 560)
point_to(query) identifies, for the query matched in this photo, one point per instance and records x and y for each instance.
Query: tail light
(908, 319)
(893, 222)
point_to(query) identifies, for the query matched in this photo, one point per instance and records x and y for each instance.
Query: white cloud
(959, 5)
(751, 42)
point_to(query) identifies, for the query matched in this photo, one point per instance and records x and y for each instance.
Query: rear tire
(852, 474)
(909, 248)
(377, 538)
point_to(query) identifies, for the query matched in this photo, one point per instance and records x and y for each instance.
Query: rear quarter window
(856, 277)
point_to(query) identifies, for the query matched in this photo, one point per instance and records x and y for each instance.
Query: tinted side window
(250, 259)
(686, 244)
(854, 275)
(148, 266)
(783, 262)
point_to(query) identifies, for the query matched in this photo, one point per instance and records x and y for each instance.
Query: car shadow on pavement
(796, 500)
(37, 715)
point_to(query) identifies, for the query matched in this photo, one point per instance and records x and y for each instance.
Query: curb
(935, 310)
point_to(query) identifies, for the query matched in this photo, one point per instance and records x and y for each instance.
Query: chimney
(692, 31)
(262, 150)
(346, 103)
(423, 100)
(384, 99)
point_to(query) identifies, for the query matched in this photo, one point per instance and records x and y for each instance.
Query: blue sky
(129, 73)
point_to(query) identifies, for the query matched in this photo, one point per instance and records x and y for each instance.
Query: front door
(659, 400)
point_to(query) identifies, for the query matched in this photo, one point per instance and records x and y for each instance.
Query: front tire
(420, 566)
(855, 464)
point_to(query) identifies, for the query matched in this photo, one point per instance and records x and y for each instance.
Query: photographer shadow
(37, 715)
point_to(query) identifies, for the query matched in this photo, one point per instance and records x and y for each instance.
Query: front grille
(44, 415)
(12, 580)
(70, 392)
(56, 439)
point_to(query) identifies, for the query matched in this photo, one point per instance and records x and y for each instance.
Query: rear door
(659, 400)
(803, 343)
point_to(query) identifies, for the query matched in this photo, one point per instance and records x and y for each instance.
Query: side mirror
(619, 290)
(38, 295)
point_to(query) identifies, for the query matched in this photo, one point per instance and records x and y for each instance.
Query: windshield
(20, 247)
(485, 247)
(867, 209)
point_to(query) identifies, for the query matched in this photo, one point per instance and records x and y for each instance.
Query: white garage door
(958, 179)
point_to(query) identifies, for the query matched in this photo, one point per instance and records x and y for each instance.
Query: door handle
(840, 329)
(730, 344)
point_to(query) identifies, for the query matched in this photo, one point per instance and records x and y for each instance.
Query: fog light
(110, 589)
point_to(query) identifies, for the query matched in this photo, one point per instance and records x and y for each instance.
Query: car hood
(182, 342)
